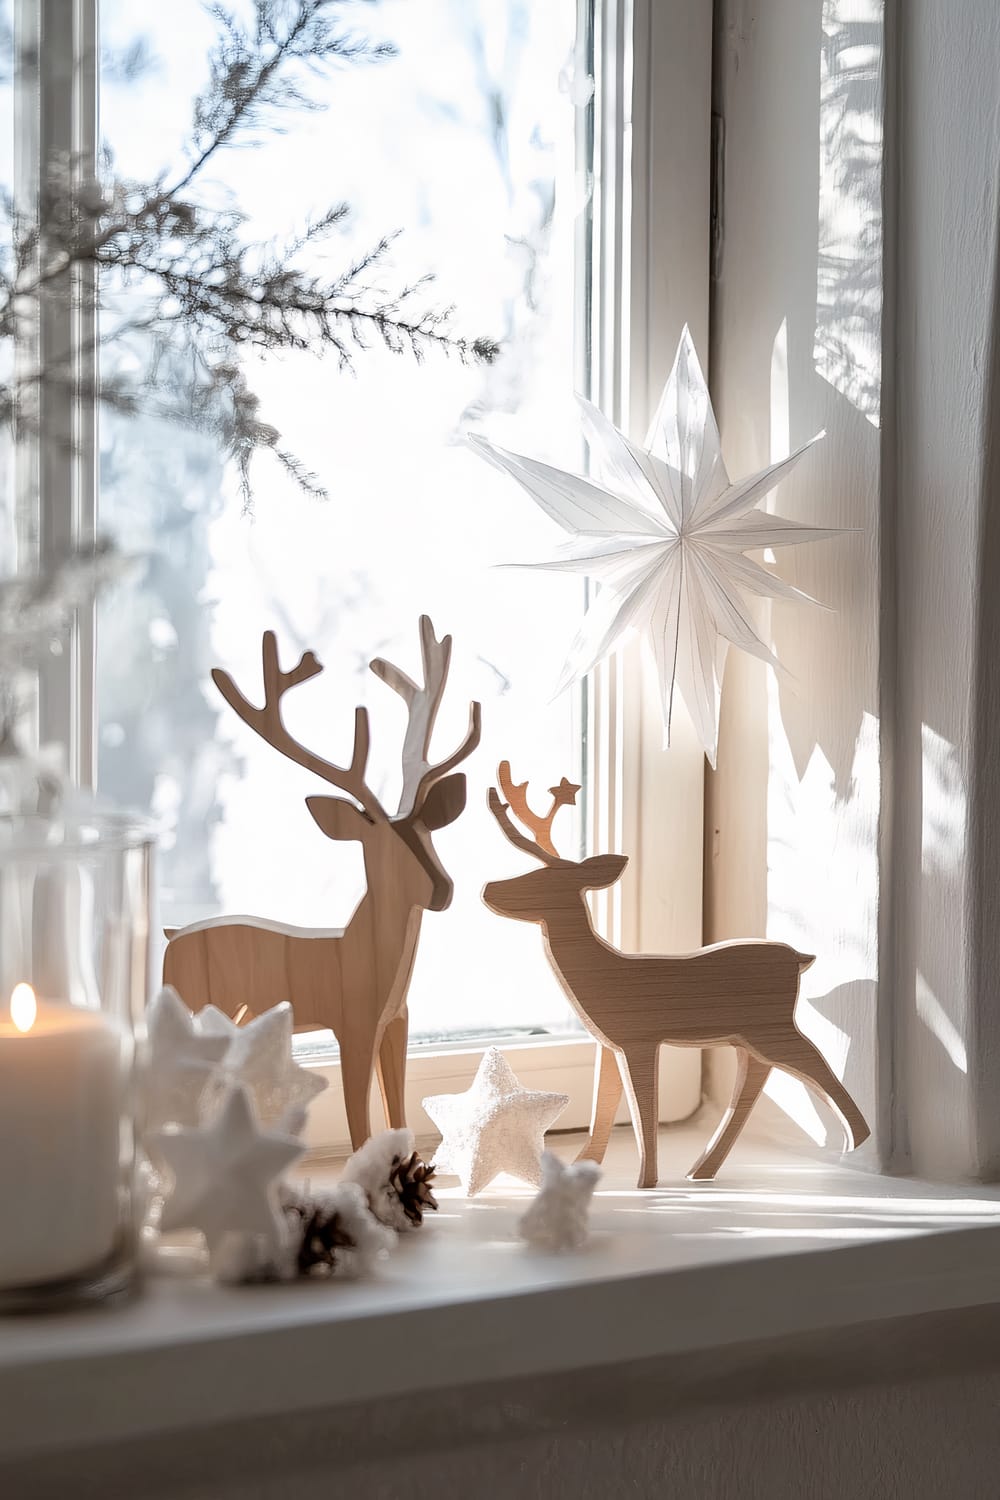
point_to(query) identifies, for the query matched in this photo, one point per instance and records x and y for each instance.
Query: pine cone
(409, 1178)
(318, 1232)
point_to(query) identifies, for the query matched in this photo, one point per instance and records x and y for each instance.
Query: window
(477, 139)
(468, 138)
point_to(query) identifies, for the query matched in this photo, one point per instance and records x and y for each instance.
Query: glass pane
(466, 142)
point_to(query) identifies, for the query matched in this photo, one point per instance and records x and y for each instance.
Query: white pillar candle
(61, 1082)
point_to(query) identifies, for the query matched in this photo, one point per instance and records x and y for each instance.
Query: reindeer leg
(640, 1071)
(795, 1054)
(607, 1092)
(356, 1067)
(751, 1075)
(390, 1066)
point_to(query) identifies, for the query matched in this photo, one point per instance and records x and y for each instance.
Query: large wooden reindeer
(353, 980)
(742, 993)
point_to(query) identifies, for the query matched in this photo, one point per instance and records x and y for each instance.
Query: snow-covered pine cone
(327, 1234)
(318, 1233)
(395, 1180)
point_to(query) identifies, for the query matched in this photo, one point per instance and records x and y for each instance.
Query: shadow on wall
(836, 336)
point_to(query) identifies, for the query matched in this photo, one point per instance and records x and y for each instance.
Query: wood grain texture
(353, 981)
(742, 993)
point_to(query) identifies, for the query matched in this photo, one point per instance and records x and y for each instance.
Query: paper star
(224, 1174)
(557, 1219)
(259, 1055)
(181, 1061)
(496, 1126)
(664, 532)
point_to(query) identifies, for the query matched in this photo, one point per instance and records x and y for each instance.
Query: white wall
(793, 809)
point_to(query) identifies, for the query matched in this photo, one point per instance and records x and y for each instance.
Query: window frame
(650, 244)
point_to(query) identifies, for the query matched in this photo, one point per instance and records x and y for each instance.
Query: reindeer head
(398, 847)
(559, 885)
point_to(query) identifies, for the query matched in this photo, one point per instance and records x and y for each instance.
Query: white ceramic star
(496, 1126)
(224, 1174)
(181, 1061)
(557, 1219)
(664, 532)
(259, 1055)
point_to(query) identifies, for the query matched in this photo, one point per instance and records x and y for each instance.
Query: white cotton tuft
(371, 1166)
(557, 1218)
(371, 1239)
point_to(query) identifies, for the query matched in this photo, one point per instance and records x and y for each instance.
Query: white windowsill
(780, 1245)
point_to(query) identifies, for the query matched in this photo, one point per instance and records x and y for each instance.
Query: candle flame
(23, 1008)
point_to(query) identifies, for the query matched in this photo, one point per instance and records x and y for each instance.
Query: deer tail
(805, 961)
(171, 932)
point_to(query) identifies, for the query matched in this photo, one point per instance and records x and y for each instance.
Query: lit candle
(61, 1081)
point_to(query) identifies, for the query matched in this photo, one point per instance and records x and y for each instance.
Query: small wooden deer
(740, 993)
(353, 980)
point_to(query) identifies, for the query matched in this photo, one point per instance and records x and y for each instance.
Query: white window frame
(652, 128)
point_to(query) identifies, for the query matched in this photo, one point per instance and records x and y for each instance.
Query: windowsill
(556, 1064)
(781, 1245)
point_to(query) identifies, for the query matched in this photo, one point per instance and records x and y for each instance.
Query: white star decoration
(664, 531)
(259, 1055)
(557, 1219)
(496, 1126)
(181, 1061)
(224, 1174)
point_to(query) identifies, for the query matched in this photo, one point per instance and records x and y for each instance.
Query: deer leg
(640, 1070)
(607, 1092)
(356, 1067)
(390, 1067)
(751, 1075)
(796, 1054)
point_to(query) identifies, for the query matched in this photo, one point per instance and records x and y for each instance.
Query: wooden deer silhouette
(742, 993)
(353, 980)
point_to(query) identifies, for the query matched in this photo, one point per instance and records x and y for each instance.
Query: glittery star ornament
(181, 1061)
(557, 1219)
(259, 1056)
(225, 1175)
(496, 1126)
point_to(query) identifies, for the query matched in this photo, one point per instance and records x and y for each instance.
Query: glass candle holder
(74, 975)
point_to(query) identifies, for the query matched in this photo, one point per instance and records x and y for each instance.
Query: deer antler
(267, 722)
(520, 840)
(422, 704)
(563, 795)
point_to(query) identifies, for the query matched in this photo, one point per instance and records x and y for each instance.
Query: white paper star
(496, 1126)
(557, 1219)
(180, 1063)
(664, 531)
(224, 1174)
(259, 1055)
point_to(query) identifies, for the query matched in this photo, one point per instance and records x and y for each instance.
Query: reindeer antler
(563, 795)
(520, 840)
(267, 722)
(422, 704)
